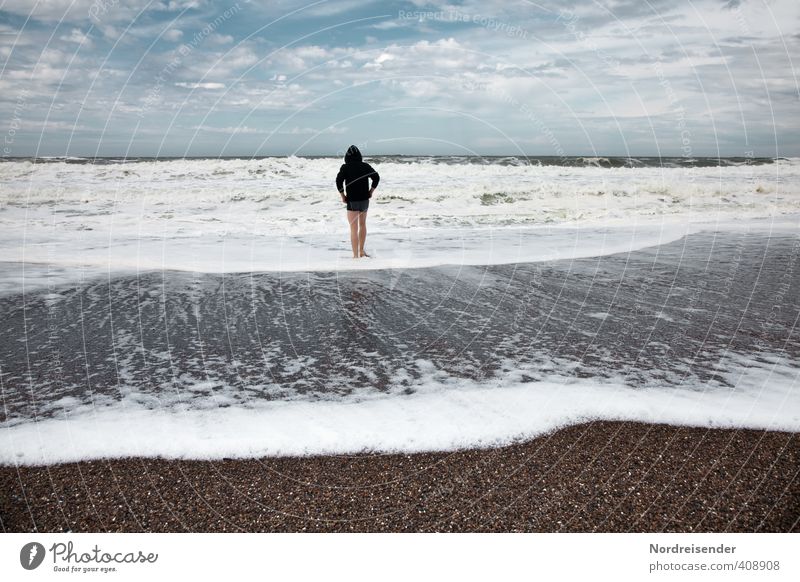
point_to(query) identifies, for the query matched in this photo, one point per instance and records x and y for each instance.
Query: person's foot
(364, 254)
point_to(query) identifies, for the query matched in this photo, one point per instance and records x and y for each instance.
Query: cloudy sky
(240, 78)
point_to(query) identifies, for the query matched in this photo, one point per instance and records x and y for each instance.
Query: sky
(477, 77)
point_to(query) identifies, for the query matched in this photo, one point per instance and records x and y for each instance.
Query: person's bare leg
(362, 233)
(352, 218)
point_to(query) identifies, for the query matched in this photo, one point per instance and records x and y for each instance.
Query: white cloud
(737, 65)
(243, 129)
(200, 63)
(311, 131)
(93, 10)
(177, 5)
(216, 38)
(79, 37)
(443, 55)
(173, 34)
(42, 126)
(200, 85)
(240, 129)
(300, 58)
(73, 10)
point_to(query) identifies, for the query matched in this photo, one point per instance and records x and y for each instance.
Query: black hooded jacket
(356, 174)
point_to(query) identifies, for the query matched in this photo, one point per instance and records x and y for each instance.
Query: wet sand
(595, 477)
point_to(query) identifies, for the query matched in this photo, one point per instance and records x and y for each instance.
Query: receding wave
(199, 365)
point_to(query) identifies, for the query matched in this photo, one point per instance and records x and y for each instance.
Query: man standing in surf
(355, 174)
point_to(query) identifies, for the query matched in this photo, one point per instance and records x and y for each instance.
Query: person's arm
(340, 184)
(375, 179)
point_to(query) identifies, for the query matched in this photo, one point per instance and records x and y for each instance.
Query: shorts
(358, 205)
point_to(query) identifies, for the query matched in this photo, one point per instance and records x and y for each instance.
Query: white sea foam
(445, 414)
(61, 223)
(67, 222)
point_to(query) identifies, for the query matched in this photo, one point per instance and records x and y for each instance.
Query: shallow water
(699, 331)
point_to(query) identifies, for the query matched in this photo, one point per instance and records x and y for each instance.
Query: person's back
(355, 174)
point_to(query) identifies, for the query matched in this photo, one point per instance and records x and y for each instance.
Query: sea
(210, 308)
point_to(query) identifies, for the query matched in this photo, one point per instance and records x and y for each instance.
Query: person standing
(355, 176)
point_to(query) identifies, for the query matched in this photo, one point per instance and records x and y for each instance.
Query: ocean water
(210, 308)
(284, 214)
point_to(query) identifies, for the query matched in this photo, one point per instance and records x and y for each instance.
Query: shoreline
(603, 476)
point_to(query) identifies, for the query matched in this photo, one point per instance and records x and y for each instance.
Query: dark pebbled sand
(600, 476)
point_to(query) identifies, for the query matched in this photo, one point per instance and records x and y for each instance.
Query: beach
(169, 364)
(596, 477)
(417, 268)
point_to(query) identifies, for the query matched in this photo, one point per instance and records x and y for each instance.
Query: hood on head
(352, 155)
